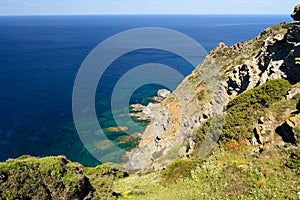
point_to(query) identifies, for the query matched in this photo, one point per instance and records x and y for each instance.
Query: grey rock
(292, 93)
(182, 151)
(137, 107)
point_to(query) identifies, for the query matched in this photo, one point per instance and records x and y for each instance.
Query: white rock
(292, 93)
(163, 93)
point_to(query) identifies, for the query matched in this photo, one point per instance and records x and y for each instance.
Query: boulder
(163, 93)
(288, 129)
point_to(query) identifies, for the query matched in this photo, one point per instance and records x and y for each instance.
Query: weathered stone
(182, 151)
(258, 134)
(137, 107)
(296, 14)
(292, 93)
(163, 93)
(253, 141)
(294, 121)
(293, 34)
(286, 130)
(261, 120)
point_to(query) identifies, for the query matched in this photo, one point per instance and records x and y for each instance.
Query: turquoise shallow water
(39, 59)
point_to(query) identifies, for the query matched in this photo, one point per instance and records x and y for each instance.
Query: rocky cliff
(225, 73)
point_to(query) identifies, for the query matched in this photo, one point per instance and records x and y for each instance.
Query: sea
(40, 57)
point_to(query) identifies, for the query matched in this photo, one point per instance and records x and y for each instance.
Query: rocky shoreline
(145, 113)
(273, 54)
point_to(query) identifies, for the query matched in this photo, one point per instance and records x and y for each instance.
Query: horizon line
(132, 14)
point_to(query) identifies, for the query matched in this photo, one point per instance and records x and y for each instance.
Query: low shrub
(294, 161)
(179, 169)
(249, 106)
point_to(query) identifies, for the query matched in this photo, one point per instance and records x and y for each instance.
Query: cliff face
(274, 54)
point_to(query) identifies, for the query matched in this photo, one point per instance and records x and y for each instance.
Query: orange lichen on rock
(174, 117)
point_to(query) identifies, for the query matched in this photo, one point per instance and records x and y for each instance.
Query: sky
(62, 7)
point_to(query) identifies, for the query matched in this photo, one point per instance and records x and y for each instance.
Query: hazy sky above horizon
(52, 7)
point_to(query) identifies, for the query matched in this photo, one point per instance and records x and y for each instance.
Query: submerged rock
(117, 129)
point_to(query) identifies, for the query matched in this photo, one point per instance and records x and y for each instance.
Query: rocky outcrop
(172, 122)
(292, 93)
(296, 14)
(147, 113)
(163, 93)
(273, 54)
(144, 113)
(137, 107)
(277, 58)
(288, 129)
(292, 61)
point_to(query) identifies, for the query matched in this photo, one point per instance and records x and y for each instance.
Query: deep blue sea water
(40, 56)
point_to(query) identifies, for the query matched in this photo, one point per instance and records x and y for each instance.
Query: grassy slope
(233, 170)
(224, 175)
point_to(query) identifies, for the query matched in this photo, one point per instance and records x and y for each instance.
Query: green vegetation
(204, 95)
(179, 169)
(243, 111)
(233, 170)
(102, 177)
(249, 106)
(224, 175)
(27, 177)
(294, 161)
(55, 178)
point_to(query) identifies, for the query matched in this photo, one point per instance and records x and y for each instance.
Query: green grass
(224, 175)
(179, 169)
(294, 161)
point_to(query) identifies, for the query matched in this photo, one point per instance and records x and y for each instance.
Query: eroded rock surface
(273, 54)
